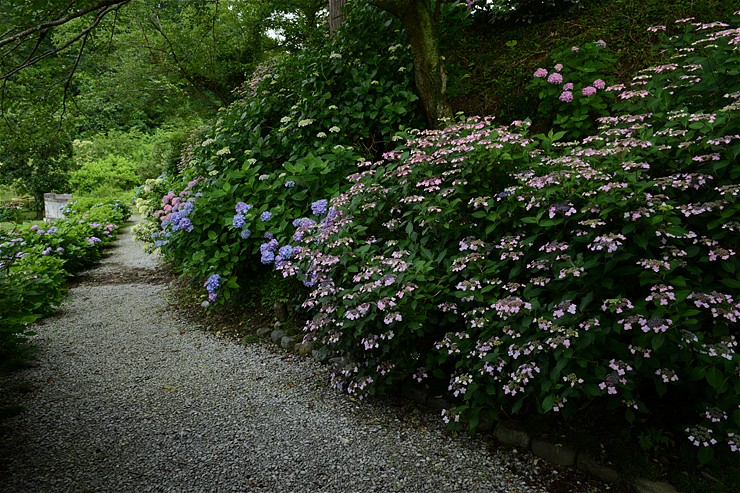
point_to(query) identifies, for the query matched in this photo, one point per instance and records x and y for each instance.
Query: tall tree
(336, 14)
(420, 19)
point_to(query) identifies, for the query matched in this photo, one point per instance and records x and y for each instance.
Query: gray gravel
(125, 396)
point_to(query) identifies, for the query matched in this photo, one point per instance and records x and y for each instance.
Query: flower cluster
(571, 96)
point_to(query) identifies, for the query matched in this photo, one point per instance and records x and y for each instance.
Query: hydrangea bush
(531, 274)
(576, 90)
(298, 130)
(35, 262)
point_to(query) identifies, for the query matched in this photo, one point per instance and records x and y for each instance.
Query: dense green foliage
(524, 272)
(298, 131)
(35, 263)
(582, 257)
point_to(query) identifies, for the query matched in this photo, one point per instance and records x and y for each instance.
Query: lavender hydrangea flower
(239, 221)
(266, 216)
(268, 257)
(319, 207)
(246, 233)
(241, 207)
(186, 225)
(212, 284)
(285, 252)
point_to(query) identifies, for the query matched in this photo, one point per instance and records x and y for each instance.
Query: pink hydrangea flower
(540, 72)
(558, 67)
(599, 84)
(555, 78)
(575, 49)
(588, 91)
(566, 97)
(601, 43)
(568, 86)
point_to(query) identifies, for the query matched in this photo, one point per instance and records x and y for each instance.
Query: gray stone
(277, 335)
(508, 433)
(560, 455)
(416, 394)
(587, 464)
(263, 331)
(304, 348)
(281, 311)
(437, 403)
(318, 356)
(287, 342)
(338, 361)
(646, 486)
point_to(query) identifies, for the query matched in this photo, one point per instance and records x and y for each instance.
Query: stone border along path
(126, 397)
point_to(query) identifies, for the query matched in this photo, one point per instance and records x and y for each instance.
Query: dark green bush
(529, 274)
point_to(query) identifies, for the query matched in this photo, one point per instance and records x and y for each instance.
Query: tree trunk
(429, 72)
(336, 14)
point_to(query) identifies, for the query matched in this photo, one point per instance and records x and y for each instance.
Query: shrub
(112, 173)
(532, 274)
(577, 90)
(35, 262)
(299, 129)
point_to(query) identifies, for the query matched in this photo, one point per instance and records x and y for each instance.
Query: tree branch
(34, 59)
(104, 4)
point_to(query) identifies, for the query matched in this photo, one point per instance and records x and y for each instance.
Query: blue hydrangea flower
(297, 223)
(188, 207)
(212, 284)
(266, 216)
(268, 257)
(239, 221)
(270, 246)
(289, 184)
(241, 207)
(245, 233)
(319, 207)
(186, 225)
(285, 252)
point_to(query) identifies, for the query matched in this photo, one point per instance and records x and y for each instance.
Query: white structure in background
(54, 203)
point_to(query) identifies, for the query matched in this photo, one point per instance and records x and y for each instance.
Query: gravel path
(126, 397)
